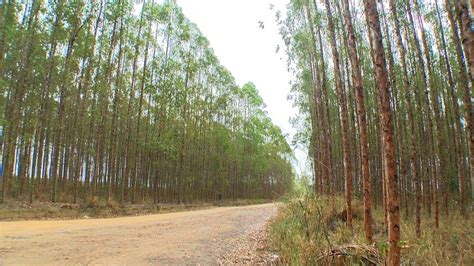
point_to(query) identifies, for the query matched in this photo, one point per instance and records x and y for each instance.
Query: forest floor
(210, 236)
(45, 210)
(312, 230)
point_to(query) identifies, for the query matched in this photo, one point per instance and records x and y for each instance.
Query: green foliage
(147, 107)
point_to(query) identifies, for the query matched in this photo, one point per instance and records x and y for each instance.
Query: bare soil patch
(192, 237)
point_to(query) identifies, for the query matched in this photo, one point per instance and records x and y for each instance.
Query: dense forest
(126, 101)
(385, 90)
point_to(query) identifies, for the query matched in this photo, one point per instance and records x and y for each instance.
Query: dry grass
(309, 231)
(346, 254)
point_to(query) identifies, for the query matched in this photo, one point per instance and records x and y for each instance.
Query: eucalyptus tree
(361, 115)
(379, 62)
(341, 95)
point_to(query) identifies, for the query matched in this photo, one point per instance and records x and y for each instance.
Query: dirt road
(173, 238)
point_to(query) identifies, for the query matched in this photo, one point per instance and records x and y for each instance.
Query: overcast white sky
(248, 51)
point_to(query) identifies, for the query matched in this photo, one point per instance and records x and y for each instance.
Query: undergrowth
(311, 230)
(99, 208)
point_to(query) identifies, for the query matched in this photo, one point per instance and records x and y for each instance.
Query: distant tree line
(125, 101)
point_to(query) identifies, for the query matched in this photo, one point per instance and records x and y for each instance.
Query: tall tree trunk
(467, 34)
(381, 75)
(317, 89)
(364, 148)
(342, 113)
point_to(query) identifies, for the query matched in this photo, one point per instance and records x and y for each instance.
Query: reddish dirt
(203, 237)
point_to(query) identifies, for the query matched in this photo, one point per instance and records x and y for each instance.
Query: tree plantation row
(385, 92)
(125, 101)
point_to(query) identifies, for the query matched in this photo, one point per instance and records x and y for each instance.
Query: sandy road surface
(173, 238)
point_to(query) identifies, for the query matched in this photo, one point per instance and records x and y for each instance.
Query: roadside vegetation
(311, 230)
(99, 208)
